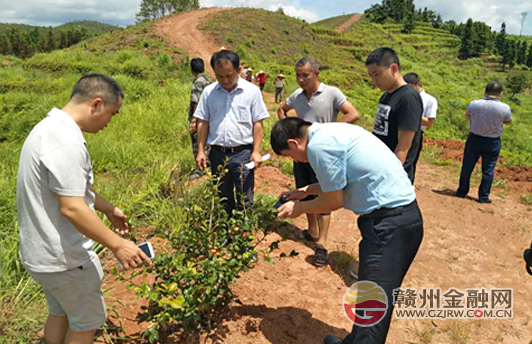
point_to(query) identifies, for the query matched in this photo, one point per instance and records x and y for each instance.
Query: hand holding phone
(280, 202)
(127, 255)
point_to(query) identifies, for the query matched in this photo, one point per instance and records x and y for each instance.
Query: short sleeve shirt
(231, 114)
(400, 110)
(349, 158)
(198, 85)
(54, 161)
(430, 106)
(323, 106)
(487, 117)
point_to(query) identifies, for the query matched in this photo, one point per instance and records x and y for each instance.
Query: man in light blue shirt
(230, 114)
(357, 171)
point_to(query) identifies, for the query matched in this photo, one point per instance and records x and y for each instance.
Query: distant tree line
(153, 9)
(478, 38)
(25, 43)
(402, 11)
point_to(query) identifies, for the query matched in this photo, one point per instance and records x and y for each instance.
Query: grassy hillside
(331, 23)
(132, 157)
(274, 42)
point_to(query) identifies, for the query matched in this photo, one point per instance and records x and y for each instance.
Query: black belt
(386, 212)
(232, 149)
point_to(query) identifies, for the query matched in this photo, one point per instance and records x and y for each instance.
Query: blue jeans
(238, 178)
(479, 146)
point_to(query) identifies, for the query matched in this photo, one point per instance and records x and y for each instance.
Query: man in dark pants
(486, 118)
(398, 117)
(430, 108)
(197, 67)
(357, 171)
(230, 114)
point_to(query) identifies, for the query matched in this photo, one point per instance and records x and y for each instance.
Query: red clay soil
(346, 25)
(181, 31)
(466, 245)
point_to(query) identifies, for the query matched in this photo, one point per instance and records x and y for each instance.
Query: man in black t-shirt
(398, 117)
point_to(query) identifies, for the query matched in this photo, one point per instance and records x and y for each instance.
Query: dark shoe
(306, 234)
(486, 201)
(195, 176)
(459, 195)
(321, 257)
(332, 340)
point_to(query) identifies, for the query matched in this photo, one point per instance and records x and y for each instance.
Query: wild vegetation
(276, 41)
(24, 40)
(148, 142)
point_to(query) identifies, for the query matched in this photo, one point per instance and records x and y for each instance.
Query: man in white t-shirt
(430, 107)
(57, 222)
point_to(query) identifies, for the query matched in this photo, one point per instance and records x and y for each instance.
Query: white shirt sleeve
(258, 108)
(68, 170)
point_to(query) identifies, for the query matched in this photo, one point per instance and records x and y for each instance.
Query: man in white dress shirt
(430, 107)
(230, 114)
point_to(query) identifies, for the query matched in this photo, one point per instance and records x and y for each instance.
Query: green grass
(430, 52)
(132, 158)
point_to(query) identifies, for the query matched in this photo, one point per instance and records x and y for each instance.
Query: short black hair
(383, 57)
(223, 56)
(286, 129)
(412, 78)
(494, 88)
(197, 65)
(95, 85)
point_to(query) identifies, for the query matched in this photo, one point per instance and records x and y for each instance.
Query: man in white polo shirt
(486, 118)
(315, 102)
(57, 222)
(230, 114)
(430, 107)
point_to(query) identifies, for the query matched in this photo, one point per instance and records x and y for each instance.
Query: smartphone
(147, 248)
(280, 202)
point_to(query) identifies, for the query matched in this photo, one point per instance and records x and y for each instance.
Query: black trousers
(417, 157)
(388, 247)
(238, 180)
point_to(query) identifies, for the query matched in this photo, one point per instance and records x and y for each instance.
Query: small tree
(5, 45)
(500, 42)
(521, 55)
(529, 60)
(516, 84)
(466, 49)
(408, 26)
(153, 9)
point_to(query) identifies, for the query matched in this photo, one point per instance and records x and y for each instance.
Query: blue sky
(122, 12)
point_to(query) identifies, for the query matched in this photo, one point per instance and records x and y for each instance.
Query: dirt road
(466, 245)
(346, 25)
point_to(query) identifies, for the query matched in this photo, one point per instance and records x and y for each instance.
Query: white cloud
(56, 12)
(291, 8)
(492, 12)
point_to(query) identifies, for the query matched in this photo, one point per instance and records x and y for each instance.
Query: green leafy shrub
(204, 256)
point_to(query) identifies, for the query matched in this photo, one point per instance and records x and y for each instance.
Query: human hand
(289, 209)
(201, 160)
(130, 256)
